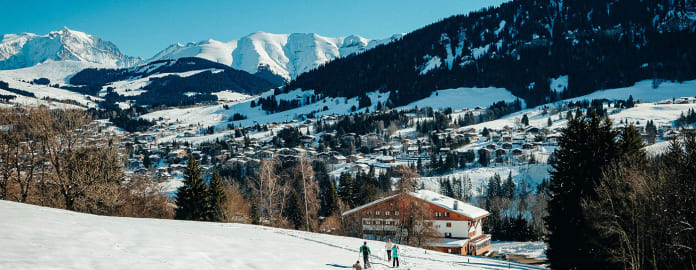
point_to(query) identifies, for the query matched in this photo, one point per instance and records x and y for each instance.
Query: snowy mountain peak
(28, 49)
(286, 55)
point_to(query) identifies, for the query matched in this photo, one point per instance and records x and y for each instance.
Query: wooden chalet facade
(456, 225)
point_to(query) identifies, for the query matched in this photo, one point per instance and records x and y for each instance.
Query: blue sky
(142, 27)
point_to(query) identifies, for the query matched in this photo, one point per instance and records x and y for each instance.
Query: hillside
(525, 46)
(44, 238)
(183, 81)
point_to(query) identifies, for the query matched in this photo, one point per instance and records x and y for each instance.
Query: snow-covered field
(643, 91)
(464, 97)
(479, 176)
(36, 237)
(528, 249)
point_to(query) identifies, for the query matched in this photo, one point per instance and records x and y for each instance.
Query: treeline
(6, 86)
(686, 119)
(127, 119)
(495, 111)
(612, 206)
(50, 159)
(516, 212)
(360, 124)
(538, 41)
(171, 90)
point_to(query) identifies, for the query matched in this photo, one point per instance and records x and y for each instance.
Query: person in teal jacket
(365, 250)
(395, 256)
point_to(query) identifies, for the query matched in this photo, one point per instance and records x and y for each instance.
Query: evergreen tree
(217, 199)
(549, 122)
(525, 120)
(631, 142)
(191, 198)
(328, 195)
(508, 188)
(293, 210)
(586, 146)
(346, 188)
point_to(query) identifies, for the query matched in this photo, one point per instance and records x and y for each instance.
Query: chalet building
(457, 226)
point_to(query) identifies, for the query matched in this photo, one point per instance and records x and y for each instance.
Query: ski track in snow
(44, 238)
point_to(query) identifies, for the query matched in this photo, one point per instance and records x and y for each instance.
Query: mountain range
(284, 55)
(27, 49)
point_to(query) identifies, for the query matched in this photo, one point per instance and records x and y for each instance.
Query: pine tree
(217, 199)
(587, 145)
(508, 188)
(346, 188)
(293, 211)
(631, 142)
(191, 199)
(525, 120)
(549, 122)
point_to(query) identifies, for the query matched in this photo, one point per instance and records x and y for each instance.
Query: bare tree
(408, 178)
(305, 173)
(268, 191)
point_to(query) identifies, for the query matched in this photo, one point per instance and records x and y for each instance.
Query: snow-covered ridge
(286, 55)
(27, 49)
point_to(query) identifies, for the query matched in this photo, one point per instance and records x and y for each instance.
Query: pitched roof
(448, 203)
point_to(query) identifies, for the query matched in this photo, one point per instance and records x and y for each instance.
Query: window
(369, 213)
(396, 213)
(366, 222)
(449, 250)
(447, 214)
(388, 222)
(386, 213)
(449, 224)
(377, 222)
(376, 213)
(448, 234)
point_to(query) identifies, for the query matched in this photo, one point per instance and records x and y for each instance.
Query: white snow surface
(287, 55)
(559, 84)
(27, 49)
(44, 238)
(464, 97)
(56, 71)
(643, 91)
(528, 249)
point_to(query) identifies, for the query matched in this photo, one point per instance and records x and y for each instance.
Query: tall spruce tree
(587, 145)
(346, 188)
(191, 198)
(293, 210)
(217, 199)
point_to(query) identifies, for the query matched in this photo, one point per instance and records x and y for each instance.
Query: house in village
(458, 226)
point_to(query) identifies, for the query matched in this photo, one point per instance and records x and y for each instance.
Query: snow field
(44, 238)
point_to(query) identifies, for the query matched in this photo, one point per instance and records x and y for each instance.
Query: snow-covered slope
(286, 55)
(56, 71)
(43, 238)
(27, 49)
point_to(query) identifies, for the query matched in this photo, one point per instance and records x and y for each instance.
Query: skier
(395, 256)
(357, 266)
(365, 250)
(388, 247)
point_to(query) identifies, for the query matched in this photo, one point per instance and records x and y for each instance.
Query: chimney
(456, 205)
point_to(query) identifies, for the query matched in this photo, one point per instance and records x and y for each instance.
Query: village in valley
(437, 144)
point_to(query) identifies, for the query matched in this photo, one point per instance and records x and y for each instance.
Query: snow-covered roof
(448, 203)
(368, 205)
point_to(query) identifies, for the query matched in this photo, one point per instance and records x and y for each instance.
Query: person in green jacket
(365, 250)
(395, 256)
